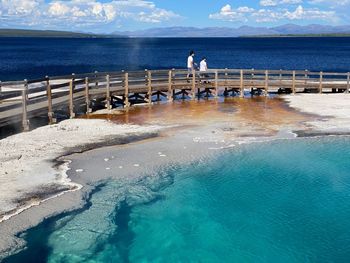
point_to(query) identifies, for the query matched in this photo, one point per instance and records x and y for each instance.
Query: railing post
(280, 77)
(225, 79)
(306, 75)
(170, 85)
(266, 83)
(241, 83)
(348, 82)
(49, 101)
(71, 102)
(193, 91)
(108, 93)
(126, 94)
(96, 80)
(25, 121)
(87, 96)
(216, 84)
(293, 82)
(321, 82)
(149, 85)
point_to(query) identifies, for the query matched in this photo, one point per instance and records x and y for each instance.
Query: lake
(37, 57)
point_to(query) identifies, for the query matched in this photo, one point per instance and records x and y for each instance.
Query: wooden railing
(21, 100)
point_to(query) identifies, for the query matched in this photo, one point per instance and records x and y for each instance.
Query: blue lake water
(36, 57)
(281, 201)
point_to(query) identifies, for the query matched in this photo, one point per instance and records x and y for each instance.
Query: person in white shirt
(203, 66)
(190, 63)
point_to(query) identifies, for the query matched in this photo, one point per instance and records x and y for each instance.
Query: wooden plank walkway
(21, 100)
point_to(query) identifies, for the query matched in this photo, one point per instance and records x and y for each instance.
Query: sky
(106, 16)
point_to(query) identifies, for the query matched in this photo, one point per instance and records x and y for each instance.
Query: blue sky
(106, 16)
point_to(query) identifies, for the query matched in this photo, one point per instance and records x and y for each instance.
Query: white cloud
(291, 2)
(245, 9)
(97, 9)
(246, 14)
(266, 15)
(19, 7)
(109, 11)
(301, 13)
(226, 9)
(80, 13)
(270, 3)
(229, 14)
(58, 9)
(156, 16)
(341, 7)
(333, 3)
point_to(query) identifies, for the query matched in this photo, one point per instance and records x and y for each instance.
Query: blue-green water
(282, 201)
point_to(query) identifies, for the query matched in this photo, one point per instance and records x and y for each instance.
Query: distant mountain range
(243, 31)
(288, 29)
(49, 34)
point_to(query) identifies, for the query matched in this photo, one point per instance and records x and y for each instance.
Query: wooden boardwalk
(21, 100)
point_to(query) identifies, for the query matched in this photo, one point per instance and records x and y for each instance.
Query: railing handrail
(165, 71)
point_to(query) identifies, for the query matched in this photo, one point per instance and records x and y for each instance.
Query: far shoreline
(282, 31)
(178, 37)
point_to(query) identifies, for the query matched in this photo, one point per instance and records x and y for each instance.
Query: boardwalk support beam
(266, 83)
(87, 96)
(293, 83)
(170, 85)
(126, 93)
(193, 90)
(50, 113)
(149, 86)
(71, 98)
(25, 121)
(96, 80)
(241, 84)
(216, 84)
(108, 93)
(305, 77)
